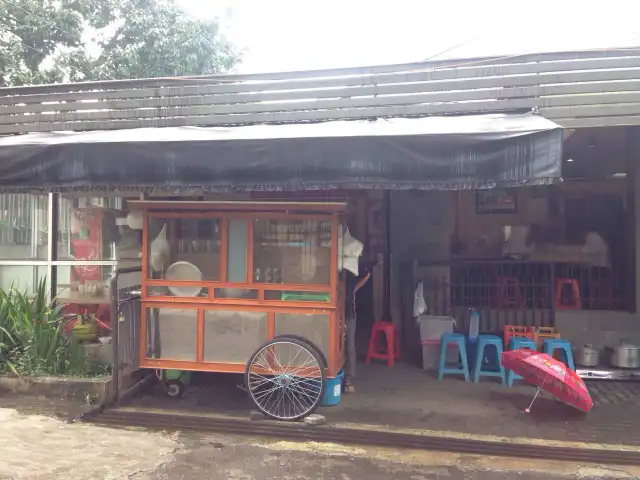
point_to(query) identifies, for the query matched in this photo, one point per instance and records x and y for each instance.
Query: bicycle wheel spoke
(285, 379)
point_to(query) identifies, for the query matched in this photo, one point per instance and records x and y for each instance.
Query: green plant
(32, 339)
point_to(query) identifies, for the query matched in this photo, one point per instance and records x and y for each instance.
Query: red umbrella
(550, 375)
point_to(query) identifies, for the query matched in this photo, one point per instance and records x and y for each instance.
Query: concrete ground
(36, 447)
(409, 398)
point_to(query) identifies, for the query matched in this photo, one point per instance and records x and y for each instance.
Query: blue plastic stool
(484, 342)
(550, 345)
(458, 340)
(517, 343)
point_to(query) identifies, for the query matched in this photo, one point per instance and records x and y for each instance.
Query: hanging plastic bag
(419, 305)
(351, 264)
(350, 246)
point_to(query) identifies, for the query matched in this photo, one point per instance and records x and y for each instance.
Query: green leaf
(44, 41)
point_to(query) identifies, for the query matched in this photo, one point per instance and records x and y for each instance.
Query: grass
(33, 341)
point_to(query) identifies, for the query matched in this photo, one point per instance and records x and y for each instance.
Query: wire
(48, 24)
(205, 78)
(22, 43)
(42, 19)
(452, 48)
(200, 79)
(507, 57)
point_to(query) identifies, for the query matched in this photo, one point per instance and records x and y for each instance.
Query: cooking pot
(587, 356)
(625, 355)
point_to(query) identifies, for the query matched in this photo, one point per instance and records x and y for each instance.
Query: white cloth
(597, 249)
(516, 244)
(351, 251)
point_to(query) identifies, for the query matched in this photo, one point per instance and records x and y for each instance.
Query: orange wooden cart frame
(223, 212)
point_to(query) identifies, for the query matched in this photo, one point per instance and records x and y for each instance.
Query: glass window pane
(172, 333)
(89, 228)
(21, 277)
(174, 291)
(186, 249)
(292, 252)
(240, 293)
(313, 327)
(88, 294)
(23, 226)
(237, 250)
(297, 296)
(233, 336)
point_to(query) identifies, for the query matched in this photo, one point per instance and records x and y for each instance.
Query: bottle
(474, 325)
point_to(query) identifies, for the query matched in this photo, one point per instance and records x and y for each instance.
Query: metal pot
(624, 355)
(587, 356)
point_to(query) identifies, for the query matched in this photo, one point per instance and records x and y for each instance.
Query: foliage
(32, 340)
(46, 41)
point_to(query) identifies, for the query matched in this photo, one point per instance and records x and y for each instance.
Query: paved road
(225, 462)
(38, 447)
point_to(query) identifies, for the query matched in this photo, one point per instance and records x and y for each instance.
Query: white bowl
(184, 271)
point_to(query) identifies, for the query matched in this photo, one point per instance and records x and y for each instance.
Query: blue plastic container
(333, 391)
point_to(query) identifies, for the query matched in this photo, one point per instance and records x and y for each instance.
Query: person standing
(354, 284)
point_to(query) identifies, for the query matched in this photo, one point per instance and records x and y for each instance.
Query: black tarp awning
(469, 152)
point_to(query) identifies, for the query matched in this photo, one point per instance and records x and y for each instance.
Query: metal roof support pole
(53, 214)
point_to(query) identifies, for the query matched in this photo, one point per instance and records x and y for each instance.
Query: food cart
(245, 287)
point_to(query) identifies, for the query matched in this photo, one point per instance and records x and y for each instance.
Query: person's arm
(362, 282)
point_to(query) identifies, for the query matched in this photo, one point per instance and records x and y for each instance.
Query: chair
(491, 342)
(575, 302)
(516, 343)
(508, 293)
(392, 348)
(551, 345)
(462, 368)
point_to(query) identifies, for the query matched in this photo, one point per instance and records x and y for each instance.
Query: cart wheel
(316, 350)
(285, 379)
(175, 388)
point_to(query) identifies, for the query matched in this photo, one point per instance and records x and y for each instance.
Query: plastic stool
(576, 301)
(459, 341)
(392, 350)
(509, 294)
(551, 345)
(485, 341)
(517, 343)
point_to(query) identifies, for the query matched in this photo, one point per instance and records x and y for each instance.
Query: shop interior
(520, 256)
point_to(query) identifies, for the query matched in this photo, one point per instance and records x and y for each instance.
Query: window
(184, 249)
(292, 252)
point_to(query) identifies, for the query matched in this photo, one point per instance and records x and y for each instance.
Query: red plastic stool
(575, 303)
(392, 350)
(508, 292)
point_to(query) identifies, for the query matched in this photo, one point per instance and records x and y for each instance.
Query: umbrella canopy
(550, 375)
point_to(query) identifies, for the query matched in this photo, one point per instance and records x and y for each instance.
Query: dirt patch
(38, 447)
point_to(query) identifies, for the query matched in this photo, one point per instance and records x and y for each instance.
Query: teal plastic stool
(550, 345)
(491, 342)
(517, 343)
(462, 368)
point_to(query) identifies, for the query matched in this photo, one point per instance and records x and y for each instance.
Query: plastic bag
(350, 246)
(351, 264)
(419, 305)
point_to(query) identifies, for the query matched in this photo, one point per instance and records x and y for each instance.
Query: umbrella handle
(528, 409)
